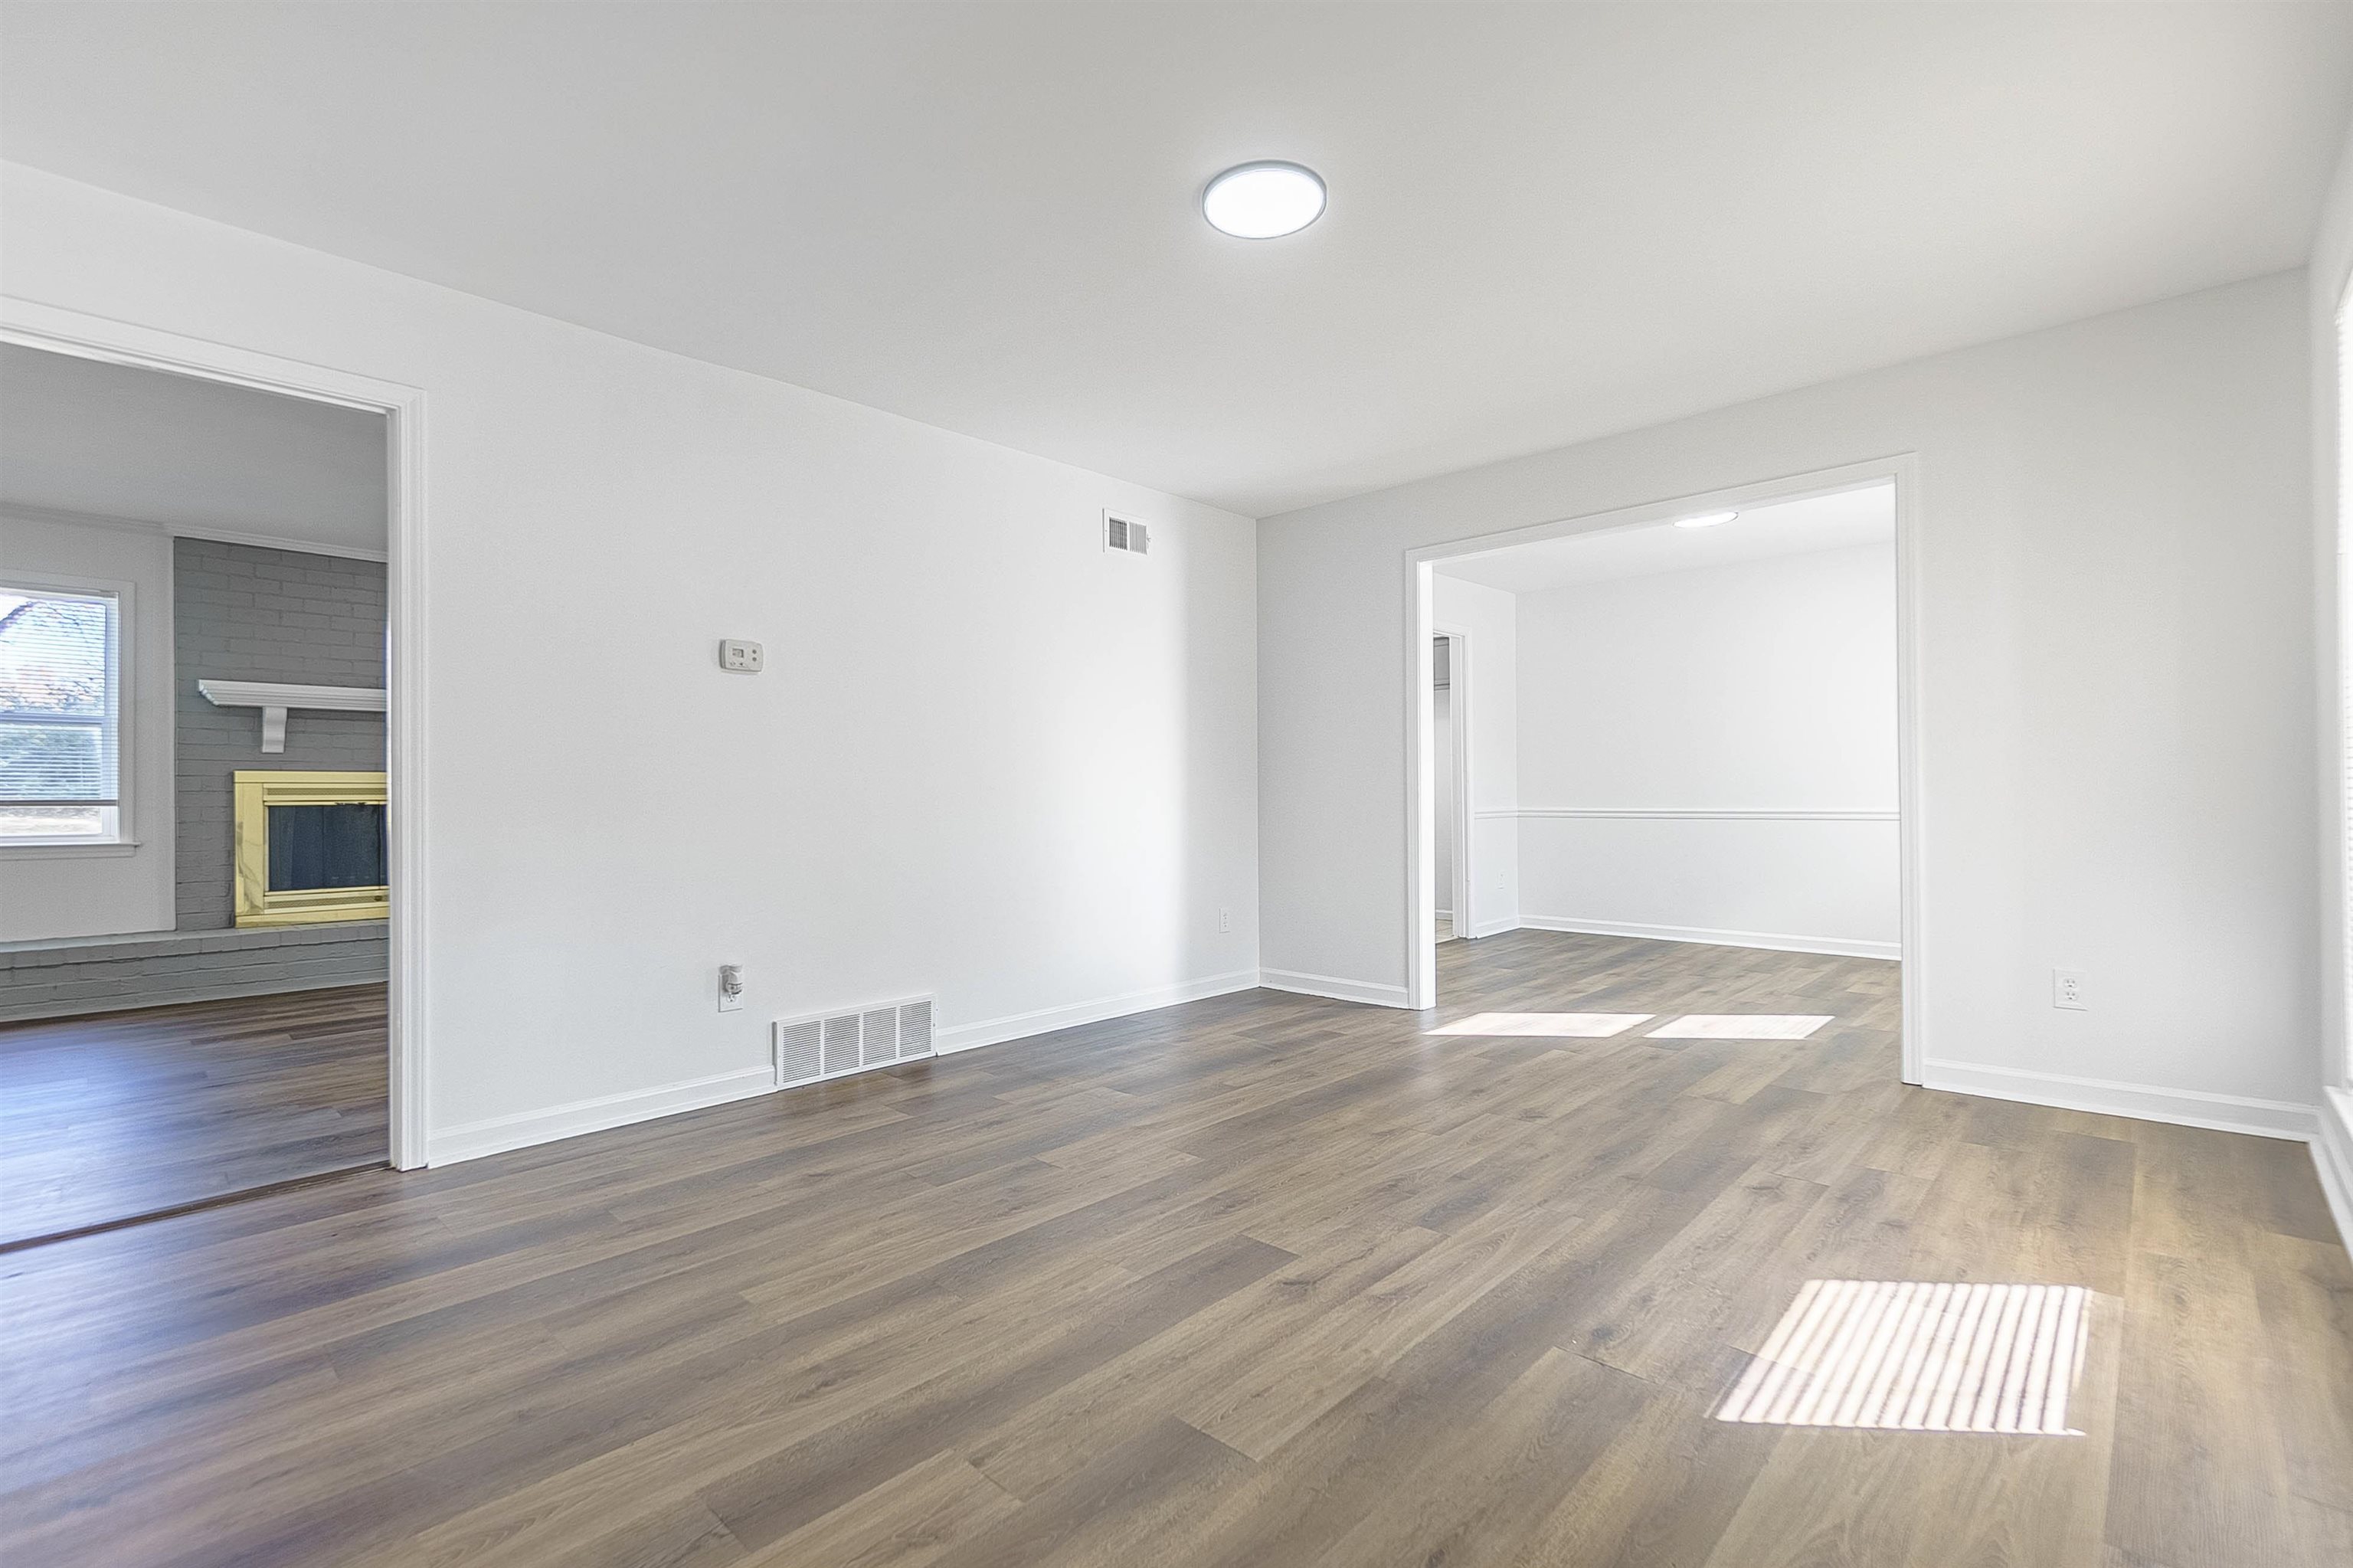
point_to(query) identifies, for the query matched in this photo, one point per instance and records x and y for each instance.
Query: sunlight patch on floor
(1546, 1025)
(1738, 1026)
(1919, 1356)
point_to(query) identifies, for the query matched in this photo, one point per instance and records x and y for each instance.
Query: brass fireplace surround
(256, 791)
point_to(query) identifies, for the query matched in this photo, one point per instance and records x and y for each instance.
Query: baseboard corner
(1336, 988)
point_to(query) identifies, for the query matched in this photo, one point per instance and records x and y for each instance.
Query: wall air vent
(1125, 534)
(835, 1045)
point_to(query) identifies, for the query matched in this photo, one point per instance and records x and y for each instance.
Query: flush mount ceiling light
(1706, 520)
(1263, 200)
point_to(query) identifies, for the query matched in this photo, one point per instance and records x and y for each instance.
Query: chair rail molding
(1678, 815)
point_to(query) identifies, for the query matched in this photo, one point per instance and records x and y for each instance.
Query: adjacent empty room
(193, 870)
(1684, 730)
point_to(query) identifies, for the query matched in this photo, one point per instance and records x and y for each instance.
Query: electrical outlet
(2067, 991)
(746, 658)
(1225, 918)
(730, 988)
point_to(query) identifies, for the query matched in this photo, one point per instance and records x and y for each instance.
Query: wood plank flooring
(1258, 1282)
(129, 1113)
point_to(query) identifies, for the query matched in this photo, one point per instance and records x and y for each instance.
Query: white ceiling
(1848, 520)
(1546, 222)
(111, 442)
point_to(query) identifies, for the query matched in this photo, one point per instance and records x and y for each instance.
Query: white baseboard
(1830, 947)
(472, 1139)
(1494, 927)
(2187, 1107)
(2332, 1155)
(1333, 986)
(1021, 1025)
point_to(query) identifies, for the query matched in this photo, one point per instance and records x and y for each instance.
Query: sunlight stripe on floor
(1919, 1356)
(1548, 1025)
(1741, 1026)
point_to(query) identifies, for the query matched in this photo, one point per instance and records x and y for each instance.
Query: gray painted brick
(246, 613)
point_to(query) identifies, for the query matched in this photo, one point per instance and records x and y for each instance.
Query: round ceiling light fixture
(1706, 520)
(1264, 200)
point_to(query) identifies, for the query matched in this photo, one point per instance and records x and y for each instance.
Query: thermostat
(743, 656)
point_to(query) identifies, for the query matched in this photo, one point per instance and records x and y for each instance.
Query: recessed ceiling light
(1263, 200)
(1706, 520)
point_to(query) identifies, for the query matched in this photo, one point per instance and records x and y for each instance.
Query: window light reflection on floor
(1548, 1025)
(1919, 1356)
(1741, 1026)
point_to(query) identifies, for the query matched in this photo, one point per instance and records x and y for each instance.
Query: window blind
(58, 698)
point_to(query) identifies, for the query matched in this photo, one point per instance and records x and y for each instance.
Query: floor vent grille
(835, 1045)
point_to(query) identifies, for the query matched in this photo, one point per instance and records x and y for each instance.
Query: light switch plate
(744, 657)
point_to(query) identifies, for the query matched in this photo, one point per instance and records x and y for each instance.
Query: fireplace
(311, 847)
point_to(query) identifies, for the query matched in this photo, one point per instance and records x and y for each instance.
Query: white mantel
(274, 697)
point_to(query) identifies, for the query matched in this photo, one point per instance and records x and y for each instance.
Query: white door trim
(1458, 696)
(1904, 470)
(35, 325)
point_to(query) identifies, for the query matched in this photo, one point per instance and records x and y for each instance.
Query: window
(60, 703)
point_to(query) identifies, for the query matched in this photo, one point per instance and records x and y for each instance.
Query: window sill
(61, 849)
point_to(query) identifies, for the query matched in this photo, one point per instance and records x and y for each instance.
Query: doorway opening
(205, 963)
(1695, 725)
(1451, 796)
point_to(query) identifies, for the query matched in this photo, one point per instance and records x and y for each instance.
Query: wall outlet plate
(744, 657)
(2067, 991)
(730, 988)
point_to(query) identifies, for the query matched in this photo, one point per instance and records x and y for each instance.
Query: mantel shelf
(275, 697)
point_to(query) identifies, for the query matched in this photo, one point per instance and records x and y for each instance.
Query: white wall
(102, 890)
(2117, 683)
(1651, 706)
(1489, 618)
(987, 758)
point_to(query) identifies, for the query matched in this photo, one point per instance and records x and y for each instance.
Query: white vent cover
(842, 1044)
(1125, 534)
(800, 1051)
(832, 1045)
(878, 1035)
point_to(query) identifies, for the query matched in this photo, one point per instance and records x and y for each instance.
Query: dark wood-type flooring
(1259, 1282)
(129, 1113)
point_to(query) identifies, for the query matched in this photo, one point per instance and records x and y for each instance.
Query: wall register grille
(1127, 534)
(835, 1045)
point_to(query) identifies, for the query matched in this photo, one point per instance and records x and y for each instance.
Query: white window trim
(123, 840)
